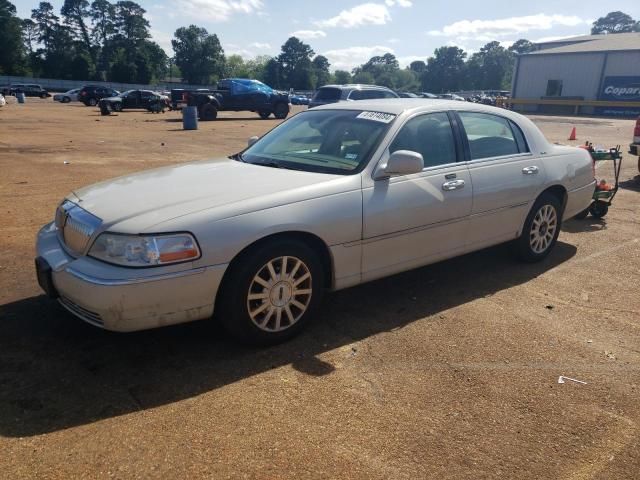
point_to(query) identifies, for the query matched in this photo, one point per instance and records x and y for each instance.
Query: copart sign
(620, 89)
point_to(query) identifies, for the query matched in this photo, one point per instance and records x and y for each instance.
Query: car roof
(396, 106)
(357, 86)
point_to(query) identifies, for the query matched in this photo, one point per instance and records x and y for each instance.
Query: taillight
(636, 131)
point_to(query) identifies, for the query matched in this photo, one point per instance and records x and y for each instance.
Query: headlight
(144, 251)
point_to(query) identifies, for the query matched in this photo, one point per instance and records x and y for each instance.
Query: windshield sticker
(377, 116)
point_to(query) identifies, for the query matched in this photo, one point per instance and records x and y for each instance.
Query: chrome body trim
(109, 282)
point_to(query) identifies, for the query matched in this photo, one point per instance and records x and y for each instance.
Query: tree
(342, 77)
(46, 21)
(295, 64)
(321, 69)
(522, 46)
(102, 15)
(199, 55)
(75, 11)
(29, 34)
(418, 66)
(12, 47)
(130, 23)
(235, 67)
(615, 22)
(363, 77)
(488, 68)
(273, 73)
(445, 70)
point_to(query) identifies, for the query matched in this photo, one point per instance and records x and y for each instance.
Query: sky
(350, 32)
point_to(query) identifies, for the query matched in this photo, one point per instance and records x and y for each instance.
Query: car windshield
(326, 141)
(245, 85)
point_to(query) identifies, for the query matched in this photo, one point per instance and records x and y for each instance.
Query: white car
(66, 97)
(3, 102)
(331, 198)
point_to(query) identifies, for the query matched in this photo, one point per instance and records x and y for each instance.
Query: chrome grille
(86, 315)
(76, 226)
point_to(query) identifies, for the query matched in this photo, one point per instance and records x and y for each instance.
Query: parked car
(299, 99)
(29, 90)
(239, 94)
(90, 95)
(429, 95)
(451, 96)
(3, 102)
(333, 197)
(134, 99)
(407, 95)
(342, 93)
(68, 96)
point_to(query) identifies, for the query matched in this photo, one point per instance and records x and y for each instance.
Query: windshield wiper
(238, 157)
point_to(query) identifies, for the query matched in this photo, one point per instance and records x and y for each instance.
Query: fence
(57, 85)
(575, 104)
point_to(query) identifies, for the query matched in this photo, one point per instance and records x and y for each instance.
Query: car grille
(76, 226)
(86, 315)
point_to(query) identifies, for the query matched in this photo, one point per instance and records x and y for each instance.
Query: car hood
(139, 202)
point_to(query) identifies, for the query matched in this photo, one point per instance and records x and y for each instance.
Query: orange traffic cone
(573, 134)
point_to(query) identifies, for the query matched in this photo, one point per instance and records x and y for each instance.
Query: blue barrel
(20, 97)
(190, 118)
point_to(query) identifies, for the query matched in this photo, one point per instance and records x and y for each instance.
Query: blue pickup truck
(234, 94)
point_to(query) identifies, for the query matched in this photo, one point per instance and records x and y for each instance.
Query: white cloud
(308, 34)
(260, 46)
(217, 10)
(406, 61)
(400, 3)
(348, 58)
(506, 26)
(364, 14)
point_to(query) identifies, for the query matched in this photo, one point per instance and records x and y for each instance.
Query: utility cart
(604, 192)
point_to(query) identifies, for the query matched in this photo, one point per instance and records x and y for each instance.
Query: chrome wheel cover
(279, 294)
(543, 229)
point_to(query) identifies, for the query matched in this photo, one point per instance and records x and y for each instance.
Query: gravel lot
(449, 371)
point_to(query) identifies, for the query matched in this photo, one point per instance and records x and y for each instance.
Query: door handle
(530, 170)
(453, 185)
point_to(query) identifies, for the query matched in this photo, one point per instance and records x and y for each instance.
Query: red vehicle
(634, 148)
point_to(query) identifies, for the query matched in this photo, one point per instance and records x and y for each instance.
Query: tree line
(111, 42)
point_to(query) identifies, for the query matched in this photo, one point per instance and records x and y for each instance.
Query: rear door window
(488, 135)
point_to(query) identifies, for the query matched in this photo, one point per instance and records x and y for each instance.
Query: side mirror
(252, 140)
(402, 162)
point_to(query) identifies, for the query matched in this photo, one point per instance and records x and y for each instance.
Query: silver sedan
(331, 198)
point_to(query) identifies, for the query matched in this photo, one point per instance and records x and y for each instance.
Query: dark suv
(91, 94)
(341, 93)
(29, 90)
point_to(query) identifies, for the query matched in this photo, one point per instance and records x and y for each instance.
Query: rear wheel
(599, 209)
(208, 112)
(281, 111)
(271, 293)
(541, 229)
(117, 107)
(43, 95)
(264, 115)
(92, 102)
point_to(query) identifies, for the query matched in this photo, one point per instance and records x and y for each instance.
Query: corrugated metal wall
(580, 74)
(623, 63)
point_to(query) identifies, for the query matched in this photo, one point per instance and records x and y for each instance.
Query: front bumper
(125, 299)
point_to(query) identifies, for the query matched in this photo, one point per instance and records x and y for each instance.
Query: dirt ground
(449, 371)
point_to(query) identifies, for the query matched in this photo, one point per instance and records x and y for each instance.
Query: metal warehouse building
(570, 74)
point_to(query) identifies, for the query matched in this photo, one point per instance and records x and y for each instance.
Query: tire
(92, 102)
(43, 96)
(582, 215)
(541, 229)
(117, 107)
(281, 111)
(66, 99)
(599, 209)
(275, 313)
(264, 115)
(208, 112)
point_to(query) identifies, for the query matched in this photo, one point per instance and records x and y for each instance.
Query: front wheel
(281, 111)
(271, 293)
(264, 115)
(92, 102)
(117, 107)
(541, 229)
